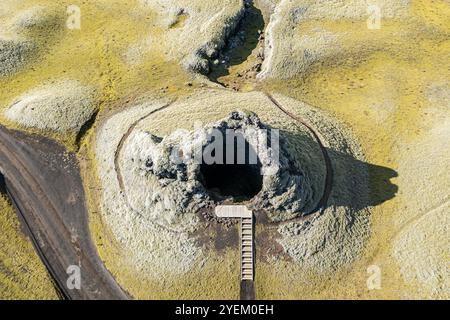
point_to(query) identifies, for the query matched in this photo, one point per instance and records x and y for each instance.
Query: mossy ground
(350, 91)
(91, 55)
(22, 275)
(384, 100)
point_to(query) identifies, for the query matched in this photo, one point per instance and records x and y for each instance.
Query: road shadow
(2, 185)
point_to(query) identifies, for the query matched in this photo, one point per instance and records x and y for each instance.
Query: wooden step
(247, 277)
(247, 263)
(247, 266)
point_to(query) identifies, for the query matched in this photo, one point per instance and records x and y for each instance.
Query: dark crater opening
(235, 173)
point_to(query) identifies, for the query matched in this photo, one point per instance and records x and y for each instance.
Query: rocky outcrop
(195, 31)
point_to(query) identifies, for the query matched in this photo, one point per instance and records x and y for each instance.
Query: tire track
(125, 138)
(117, 164)
(418, 217)
(322, 204)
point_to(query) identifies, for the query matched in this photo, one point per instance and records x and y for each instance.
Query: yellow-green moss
(22, 274)
(384, 100)
(351, 91)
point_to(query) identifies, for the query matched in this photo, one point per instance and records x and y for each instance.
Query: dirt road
(45, 186)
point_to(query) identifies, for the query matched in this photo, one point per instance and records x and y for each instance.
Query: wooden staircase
(247, 250)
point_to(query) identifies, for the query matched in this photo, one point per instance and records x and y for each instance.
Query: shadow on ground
(240, 46)
(358, 184)
(2, 185)
(354, 184)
